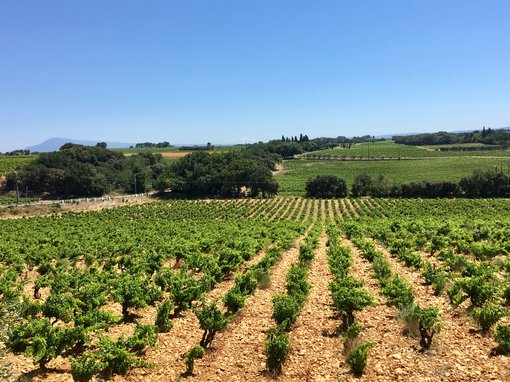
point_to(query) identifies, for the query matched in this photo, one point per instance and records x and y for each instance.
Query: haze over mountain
(54, 144)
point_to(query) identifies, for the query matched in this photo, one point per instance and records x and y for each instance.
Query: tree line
(89, 171)
(481, 184)
(500, 137)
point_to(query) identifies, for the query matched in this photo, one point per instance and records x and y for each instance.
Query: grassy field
(296, 172)
(389, 149)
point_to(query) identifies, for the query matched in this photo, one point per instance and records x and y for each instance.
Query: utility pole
(135, 183)
(17, 187)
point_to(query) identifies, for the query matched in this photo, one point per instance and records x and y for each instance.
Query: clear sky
(236, 71)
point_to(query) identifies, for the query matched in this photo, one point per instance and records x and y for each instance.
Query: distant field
(389, 149)
(9, 163)
(296, 172)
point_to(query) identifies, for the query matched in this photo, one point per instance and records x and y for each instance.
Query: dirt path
(337, 210)
(308, 210)
(331, 211)
(238, 353)
(295, 209)
(345, 212)
(310, 344)
(301, 209)
(323, 210)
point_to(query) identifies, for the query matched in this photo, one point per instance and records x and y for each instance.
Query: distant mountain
(53, 144)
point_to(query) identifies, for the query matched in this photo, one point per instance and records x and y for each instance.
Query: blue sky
(235, 71)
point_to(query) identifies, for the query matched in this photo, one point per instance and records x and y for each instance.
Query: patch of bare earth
(238, 353)
(315, 354)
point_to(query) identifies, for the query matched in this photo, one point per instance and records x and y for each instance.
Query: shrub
(398, 292)
(357, 358)
(277, 349)
(85, 367)
(116, 356)
(163, 322)
(195, 353)
(285, 310)
(382, 268)
(306, 253)
(502, 336)
(326, 186)
(348, 299)
(488, 315)
(424, 322)
(233, 300)
(211, 321)
(352, 336)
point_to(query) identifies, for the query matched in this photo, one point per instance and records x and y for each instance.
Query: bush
(306, 253)
(233, 300)
(357, 358)
(116, 356)
(191, 356)
(398, 292)
(85, 367)
(488, 315)
(424, 322)
(277, 349)
(211, 321)
(163, 322)
(348, 299)
(326, 186)
(285, 310)
(502, 336)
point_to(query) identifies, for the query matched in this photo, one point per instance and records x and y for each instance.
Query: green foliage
(191, 356)
(277, 349)
(488, 315)
(234, 300)
(348, 298)
(285, 310)
(143, 337)
(297, 285)
(381, 266)
(479, 289)
(42, 341)
(502, 336)
(306, 253)
(358, 356)
(422, 322)
(398, 292)
(116, 356)
(326, 186)
(211, 321)
(163, 322)
(435, 276)
(85, 367)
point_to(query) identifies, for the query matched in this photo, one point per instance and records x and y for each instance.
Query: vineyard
(256, 289)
